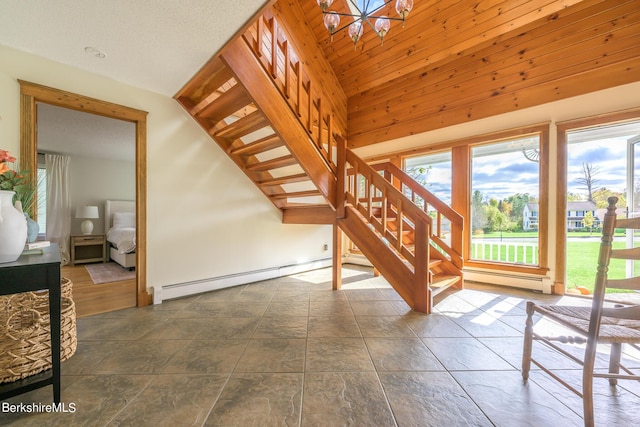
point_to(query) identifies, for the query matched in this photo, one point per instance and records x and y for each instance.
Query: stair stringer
(385, 259)
(240, 60)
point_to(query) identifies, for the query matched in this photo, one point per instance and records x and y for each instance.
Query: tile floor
(291, 351)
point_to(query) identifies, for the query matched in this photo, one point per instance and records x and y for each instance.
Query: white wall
(205, 217)
(95, 180)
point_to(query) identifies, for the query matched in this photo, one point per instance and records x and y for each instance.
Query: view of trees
(498, 215)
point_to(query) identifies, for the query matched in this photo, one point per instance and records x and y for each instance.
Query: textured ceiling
(65, 131)
(152, 44)
(157, 45)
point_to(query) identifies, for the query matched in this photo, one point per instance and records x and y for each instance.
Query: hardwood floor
(94, 299)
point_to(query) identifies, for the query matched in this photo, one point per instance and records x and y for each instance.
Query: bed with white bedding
(120, 218)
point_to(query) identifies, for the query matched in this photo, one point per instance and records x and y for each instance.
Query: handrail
(378, 201)
(271, 48)
(414, 191)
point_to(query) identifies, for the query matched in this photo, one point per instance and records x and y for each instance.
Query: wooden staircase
(283, 123)
(223, 107)
(413, 238)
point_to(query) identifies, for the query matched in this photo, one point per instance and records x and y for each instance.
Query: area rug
(109, 272)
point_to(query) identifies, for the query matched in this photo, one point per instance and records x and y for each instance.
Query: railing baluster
(287, 70)
(310, 108)
(400, 216)
(258, 46)
(329, 136)
(300, 86)
(274, 48)
(384, 211)
(319, 140)
(369, 196)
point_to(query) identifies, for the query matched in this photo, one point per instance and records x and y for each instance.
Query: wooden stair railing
(447, 230)
(306, 97)
(394, 233)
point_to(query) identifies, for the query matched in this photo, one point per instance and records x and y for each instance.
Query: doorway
(32, 93)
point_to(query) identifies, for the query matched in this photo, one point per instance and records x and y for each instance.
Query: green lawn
(582, 262)
(582, 258)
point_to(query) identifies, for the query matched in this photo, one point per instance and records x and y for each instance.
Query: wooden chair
(602, 323)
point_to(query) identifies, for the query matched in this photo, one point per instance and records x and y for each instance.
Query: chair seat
(612, 330)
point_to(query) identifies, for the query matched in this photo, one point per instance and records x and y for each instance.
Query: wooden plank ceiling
(462, 60)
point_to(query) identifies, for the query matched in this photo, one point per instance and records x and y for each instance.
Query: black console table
(33, 273)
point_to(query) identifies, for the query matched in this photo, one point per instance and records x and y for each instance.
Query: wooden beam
(308, 215)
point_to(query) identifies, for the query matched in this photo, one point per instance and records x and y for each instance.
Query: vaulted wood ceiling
(457, 61)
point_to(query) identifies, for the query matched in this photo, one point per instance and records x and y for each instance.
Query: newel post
(421, 291)
(341, 159)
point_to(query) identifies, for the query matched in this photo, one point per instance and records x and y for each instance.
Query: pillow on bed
(124, 219)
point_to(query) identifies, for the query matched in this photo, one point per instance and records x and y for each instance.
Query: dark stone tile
(259, 400)
(333, 326)
(173, 400)
(90, 400)
(273, 355)
(229, 328)
(485, 325)
(281, 327)
(503, 397)
(345, 398)
(207, 357)
(434, 325)
(466, 354)
(287, 308)
(401, 354)
(330, 308)
(138, 357)
(384, 326)
(430, 399)
(337, 354)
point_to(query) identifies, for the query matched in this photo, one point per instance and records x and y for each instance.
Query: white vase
(13, 228)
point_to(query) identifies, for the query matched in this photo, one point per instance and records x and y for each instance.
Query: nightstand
(88, 248)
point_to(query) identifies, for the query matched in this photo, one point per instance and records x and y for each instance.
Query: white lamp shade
(87, 212)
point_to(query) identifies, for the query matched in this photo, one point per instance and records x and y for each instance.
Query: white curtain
(58, 203)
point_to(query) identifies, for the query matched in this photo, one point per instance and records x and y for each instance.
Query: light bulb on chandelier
(356, 28)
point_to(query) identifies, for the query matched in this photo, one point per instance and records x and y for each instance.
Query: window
(505, 194)
(433, 172)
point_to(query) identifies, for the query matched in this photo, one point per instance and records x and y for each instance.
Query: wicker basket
(25, 341)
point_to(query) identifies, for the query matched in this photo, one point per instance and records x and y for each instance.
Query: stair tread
(307, 205)
(276, 163)
(283, 180)
(226, 104)
(260, 146)
(243, 126)
(442, 281)
(307, 193)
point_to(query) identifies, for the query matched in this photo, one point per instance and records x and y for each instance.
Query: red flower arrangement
(11, 179)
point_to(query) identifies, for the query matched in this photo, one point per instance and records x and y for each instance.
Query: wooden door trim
(31, 93)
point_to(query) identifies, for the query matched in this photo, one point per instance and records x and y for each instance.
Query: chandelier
(356, 28)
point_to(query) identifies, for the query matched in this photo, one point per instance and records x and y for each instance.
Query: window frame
(461, 190)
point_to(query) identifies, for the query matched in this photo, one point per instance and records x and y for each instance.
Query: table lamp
(87, 212)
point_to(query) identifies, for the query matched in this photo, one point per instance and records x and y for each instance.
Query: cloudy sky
(500, 174)
(608, 156)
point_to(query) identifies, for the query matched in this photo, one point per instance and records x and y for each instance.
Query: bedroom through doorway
(100, 154)
(33, 94)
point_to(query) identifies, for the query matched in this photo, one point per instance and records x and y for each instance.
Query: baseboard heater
(167, 292)
(536, 283)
